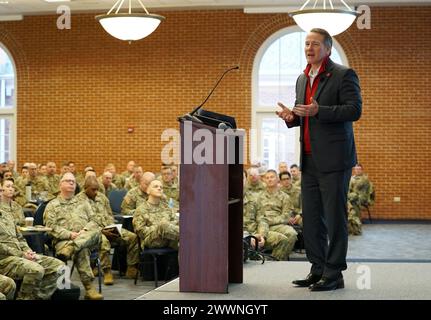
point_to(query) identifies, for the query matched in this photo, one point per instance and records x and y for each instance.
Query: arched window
(7, 106)
(278, 63)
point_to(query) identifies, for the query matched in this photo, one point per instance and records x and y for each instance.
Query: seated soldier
(7, 205)
(8, 174)
(129, 169)
(170, 189)
(154, 222)
(74, 230)
(134, 179)
(296, 175)
(174, 169)
(104, 217)
(354, 223)
(254, 185)
(137, 196)
(89, 171)
(11, 166)
(7, 288)
(106, 181)
(251, 219)
(360, 189)
(39, 184)
(38, 273)
(117, 179)
(276, 210)
(283, 167)
(294, 194)
(52, 177)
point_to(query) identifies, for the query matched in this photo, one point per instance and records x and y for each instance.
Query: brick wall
(79, 90)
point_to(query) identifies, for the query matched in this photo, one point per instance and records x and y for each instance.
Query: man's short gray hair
(327, 39)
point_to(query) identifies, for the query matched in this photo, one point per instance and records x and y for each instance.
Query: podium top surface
(228, 131)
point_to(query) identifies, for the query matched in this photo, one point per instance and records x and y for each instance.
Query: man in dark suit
(328, 100)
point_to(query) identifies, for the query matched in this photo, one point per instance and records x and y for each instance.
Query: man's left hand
(306, 110)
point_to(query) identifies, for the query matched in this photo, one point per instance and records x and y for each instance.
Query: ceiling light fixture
(335, 21)
(129, 26)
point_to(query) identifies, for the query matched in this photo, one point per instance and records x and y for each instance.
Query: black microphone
(211, 92)
(190, 116)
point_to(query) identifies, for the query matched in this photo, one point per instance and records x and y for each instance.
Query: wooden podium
(211, 208)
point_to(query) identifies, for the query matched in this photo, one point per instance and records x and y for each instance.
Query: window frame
(258, 111)
(11, 113)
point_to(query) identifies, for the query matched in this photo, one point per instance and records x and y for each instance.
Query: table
(35, 237)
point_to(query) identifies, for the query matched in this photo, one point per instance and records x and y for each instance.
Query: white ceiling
(34, 7)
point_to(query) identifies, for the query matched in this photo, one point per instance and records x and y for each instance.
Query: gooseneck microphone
(213, 89)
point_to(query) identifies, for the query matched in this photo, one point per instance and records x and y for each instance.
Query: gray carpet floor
(388, 250)
(272, 281)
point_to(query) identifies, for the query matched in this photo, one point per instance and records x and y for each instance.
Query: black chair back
(38, 214)
(116, 197)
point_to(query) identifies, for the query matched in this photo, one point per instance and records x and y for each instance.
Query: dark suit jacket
(331, 133)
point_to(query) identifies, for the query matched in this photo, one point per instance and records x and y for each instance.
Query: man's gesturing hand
(306, 110)
(286, 114)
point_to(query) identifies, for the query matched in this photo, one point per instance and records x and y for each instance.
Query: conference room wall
(80, 90)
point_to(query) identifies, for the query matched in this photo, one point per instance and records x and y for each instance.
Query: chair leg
(120, 273)
(137, 273)
(369, 215)
(99, 269)
(171, 260)
(155, 271)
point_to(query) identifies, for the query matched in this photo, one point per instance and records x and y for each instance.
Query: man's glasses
(69, 181)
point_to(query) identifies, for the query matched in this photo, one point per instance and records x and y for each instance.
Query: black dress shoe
(308, 281)
(326, 284)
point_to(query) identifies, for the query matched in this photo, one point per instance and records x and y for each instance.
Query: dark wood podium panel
(210, 254)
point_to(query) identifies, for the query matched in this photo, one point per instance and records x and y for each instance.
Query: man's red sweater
(309, 93)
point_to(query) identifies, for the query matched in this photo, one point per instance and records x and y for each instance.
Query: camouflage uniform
(39, 278)
(294, 194)
(126, 174)
(19, 195)
(65, 216)
(156, 225)
(354, 220)
(15, 210)
(251, 217)
(53, 183)
(7, 288)
(104, 217)
(101, 186)
(276, 208)
(359, 192)
(296, 182)
(254, 190)
(171, 191)
(132, 200)
(79, 177)
(108, 189)
(38, 184)
(131, 183)
(119, 181)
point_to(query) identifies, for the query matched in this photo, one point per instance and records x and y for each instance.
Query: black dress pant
(324, 212)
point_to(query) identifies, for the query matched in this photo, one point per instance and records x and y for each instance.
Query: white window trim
(12, 112)
(255, 147)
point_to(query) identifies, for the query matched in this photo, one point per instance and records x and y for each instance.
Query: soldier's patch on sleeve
(127, 200)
